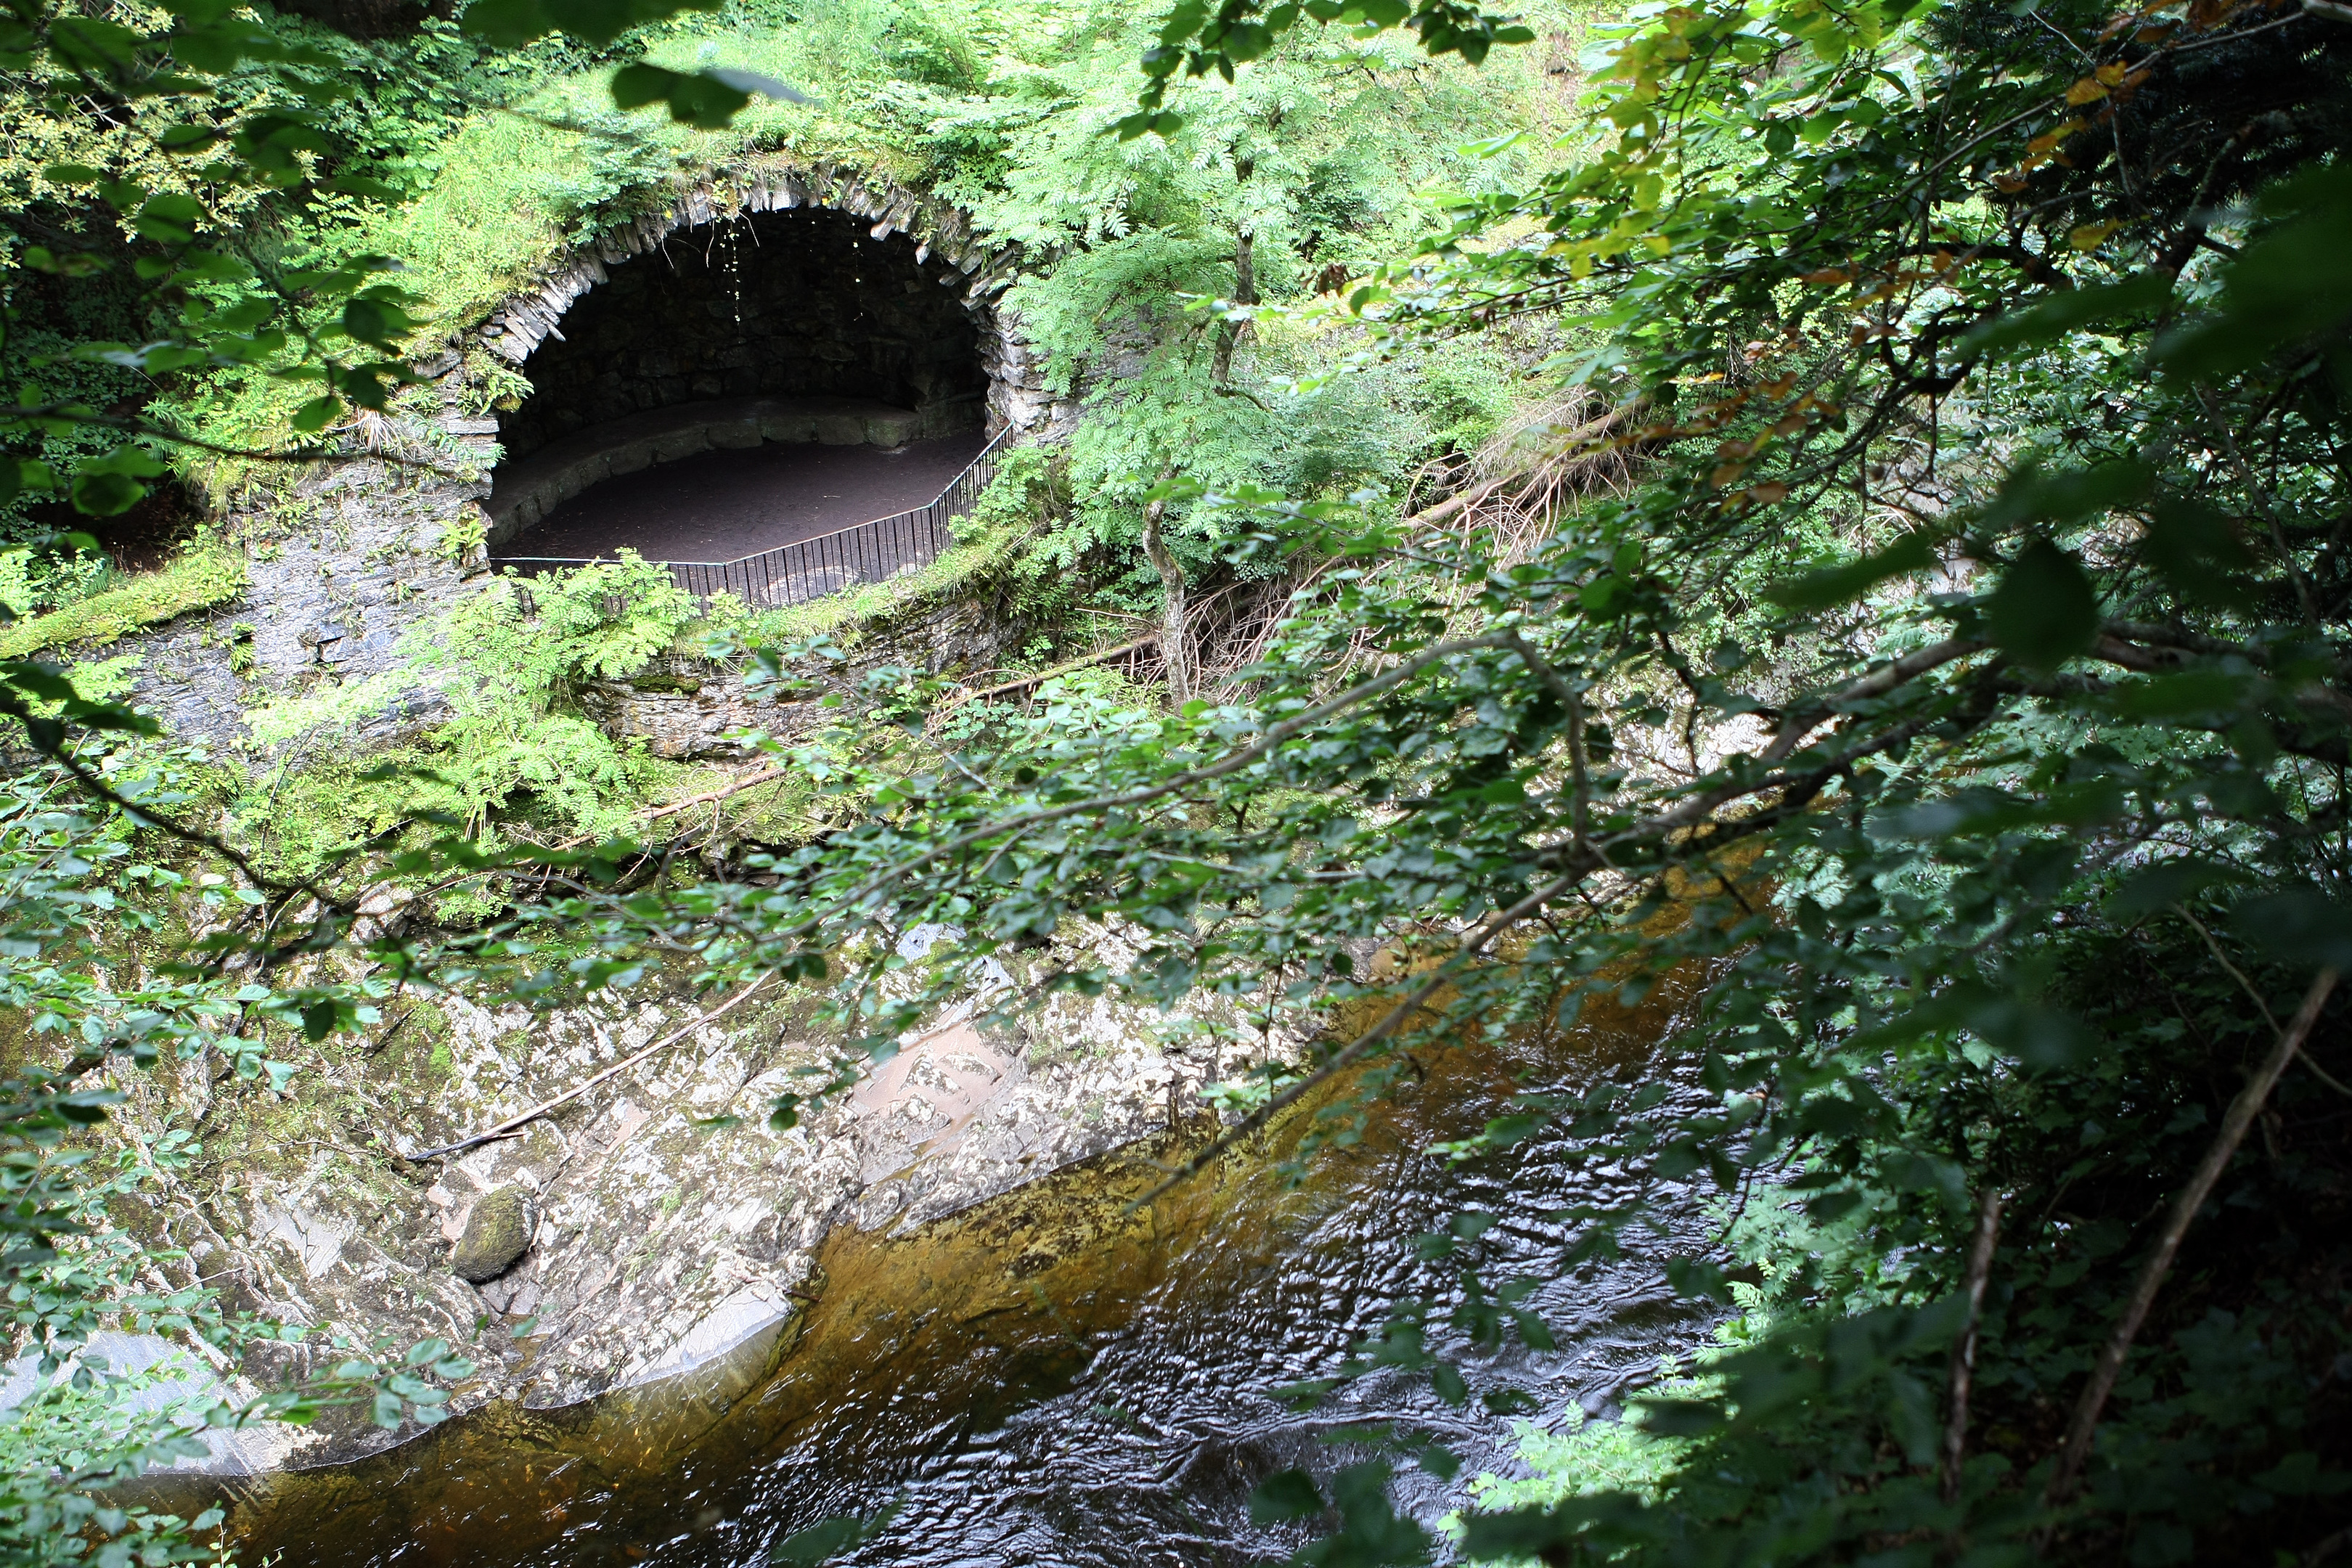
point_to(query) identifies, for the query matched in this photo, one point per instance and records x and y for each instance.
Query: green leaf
(169, 218)
(314, 414)
(1678, 1418)
(758, 86)
(1282, 1496)
(698, 100)
(2038, 494)
(1835, 586)
(103, 493)
(830, 1539)
(2305, 928)
(374, 321)
(2045, 611)
(513, 22)
(1699, 1278)
(2198, 553)
(2160, 886)
(2293, 283)
(2192, 693)
(2062, 314)
(510, 24)
(1441, 1462)
(2037, 1035)
(1182, 21)
(362, 185)
(1162, 123)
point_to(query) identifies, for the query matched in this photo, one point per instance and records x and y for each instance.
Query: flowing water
(1058, 1377)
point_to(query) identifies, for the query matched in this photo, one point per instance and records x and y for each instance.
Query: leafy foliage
(2083, 658)
(72, 882)
(1960, 693)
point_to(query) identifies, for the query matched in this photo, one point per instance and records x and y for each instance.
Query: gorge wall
(653, 1223)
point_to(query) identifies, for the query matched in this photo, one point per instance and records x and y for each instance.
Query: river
(1057, 1376)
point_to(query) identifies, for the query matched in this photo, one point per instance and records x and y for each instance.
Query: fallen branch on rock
(1103, 655)
(506, 1127)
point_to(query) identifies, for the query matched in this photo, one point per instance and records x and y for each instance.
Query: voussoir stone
(498, 1232)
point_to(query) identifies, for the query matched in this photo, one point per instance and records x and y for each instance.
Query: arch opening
(755, 339)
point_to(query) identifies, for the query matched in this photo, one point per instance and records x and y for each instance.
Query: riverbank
(651, 1224)
(1063, 1373)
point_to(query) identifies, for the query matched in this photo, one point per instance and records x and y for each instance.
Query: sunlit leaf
(1285, 1495)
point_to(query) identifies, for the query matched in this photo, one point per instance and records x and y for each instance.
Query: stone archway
(364, 549)
(778, 305)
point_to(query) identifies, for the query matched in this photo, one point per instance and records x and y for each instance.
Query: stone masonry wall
(792, 304)
(1018, 393)
(352, 557)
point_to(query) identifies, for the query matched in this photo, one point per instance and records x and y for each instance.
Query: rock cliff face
(649, 1225)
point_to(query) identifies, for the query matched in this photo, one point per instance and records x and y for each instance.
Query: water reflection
(1050, 1378)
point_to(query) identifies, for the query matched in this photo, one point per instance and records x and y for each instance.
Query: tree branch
(1964, 1350)
(2242, 1114)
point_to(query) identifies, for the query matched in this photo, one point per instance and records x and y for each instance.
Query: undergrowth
(208, 574)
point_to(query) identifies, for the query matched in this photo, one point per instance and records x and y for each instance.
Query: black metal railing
(828, 564)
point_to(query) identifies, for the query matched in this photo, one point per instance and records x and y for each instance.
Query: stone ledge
(524, 491)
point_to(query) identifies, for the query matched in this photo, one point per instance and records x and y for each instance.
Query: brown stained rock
(498, 1232)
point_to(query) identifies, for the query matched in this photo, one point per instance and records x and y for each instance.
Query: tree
(1965, 672)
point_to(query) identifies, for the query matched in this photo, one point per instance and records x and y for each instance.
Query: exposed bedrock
(651, 1224)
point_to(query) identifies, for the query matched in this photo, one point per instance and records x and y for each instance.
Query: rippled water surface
(1053, 1377)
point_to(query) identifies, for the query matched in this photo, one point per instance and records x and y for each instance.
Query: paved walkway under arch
(723, 505)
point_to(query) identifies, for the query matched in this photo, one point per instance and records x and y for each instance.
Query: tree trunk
(1232, 334)
(1175, 655)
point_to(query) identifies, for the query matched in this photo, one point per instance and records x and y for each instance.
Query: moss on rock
(497, 1233)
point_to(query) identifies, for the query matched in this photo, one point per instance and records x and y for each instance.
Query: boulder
(498, 1232)
(672, 444)
(791, 425)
